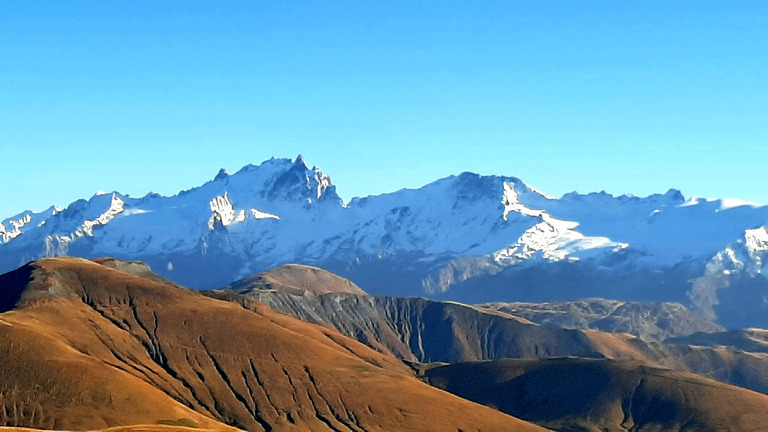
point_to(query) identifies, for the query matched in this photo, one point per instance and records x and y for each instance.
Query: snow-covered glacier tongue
(465, 237)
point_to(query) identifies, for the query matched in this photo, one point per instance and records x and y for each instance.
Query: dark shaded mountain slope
(423, 330)
(604, 395)
(418, 329)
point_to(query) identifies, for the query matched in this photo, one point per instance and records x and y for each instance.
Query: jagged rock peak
(221, 175)
(300, 161)
(301, 181)
(675, 195)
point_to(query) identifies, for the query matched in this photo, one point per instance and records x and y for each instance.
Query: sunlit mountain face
(468, 237)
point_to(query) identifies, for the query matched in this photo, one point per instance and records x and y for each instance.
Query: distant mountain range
(468, 237)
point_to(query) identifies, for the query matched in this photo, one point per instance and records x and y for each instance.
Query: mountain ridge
(433, 240)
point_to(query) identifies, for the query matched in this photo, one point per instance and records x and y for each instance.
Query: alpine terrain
(467, 237)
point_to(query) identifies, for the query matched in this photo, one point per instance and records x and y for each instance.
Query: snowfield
(428, 241)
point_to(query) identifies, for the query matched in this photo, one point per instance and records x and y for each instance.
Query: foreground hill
(132, 428)
(86, 346)
(468, 238)
(604, 395)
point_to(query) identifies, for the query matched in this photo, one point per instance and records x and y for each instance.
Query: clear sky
(626, 96)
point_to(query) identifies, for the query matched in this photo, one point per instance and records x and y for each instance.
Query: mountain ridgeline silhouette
(467, 237)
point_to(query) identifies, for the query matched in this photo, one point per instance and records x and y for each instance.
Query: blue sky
(630, 96)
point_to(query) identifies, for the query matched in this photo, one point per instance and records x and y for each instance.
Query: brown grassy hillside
(89, 347)
(298, 279)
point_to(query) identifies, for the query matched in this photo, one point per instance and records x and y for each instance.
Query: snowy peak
(296, 181)
(79, 220)
(283, 180)
(748, 254)
(745, 258)
(15, 226)
(431, 239)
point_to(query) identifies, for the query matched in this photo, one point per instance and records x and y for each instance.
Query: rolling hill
(87, 346)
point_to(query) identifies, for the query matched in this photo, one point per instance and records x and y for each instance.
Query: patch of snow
(14, 230)
(554, 239)
(258, 214)
(323, 181)
(540, 192)
(134, 211)
(222, 210)
(729, 203)
(116, 206)
(756, 240)
(511, 202)
(693, 201)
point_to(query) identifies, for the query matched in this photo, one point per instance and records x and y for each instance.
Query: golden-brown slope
(297, 279)
(89, 347)
(131, 428)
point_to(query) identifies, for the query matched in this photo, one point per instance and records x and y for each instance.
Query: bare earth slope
(604, 395)
(414, 329)
(87, 347)
(297, 279)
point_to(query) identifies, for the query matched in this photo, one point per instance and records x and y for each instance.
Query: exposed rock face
(604, 395)
(87, 346)
(646, 320)
(422, 330)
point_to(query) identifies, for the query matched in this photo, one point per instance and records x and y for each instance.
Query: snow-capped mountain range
(466, 237)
